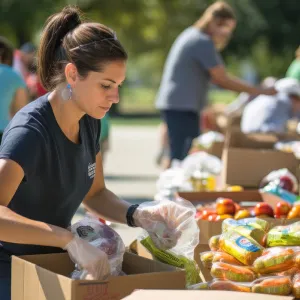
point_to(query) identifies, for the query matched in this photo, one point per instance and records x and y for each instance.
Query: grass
(142, 99)
(135, 122)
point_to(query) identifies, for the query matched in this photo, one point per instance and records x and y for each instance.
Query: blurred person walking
(13, 92)
(193, 62)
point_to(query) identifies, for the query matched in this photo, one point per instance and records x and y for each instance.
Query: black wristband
(129, 215)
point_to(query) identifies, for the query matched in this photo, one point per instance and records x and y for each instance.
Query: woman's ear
(71, 73)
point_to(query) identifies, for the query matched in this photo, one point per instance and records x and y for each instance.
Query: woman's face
(96, 93)
(221, 31)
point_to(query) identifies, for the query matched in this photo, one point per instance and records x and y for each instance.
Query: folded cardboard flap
(59, 263)
(201, 295)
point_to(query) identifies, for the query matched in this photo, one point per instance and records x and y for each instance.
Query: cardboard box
(46, 277)
(205, 197)
(248, 158)
(201, 295)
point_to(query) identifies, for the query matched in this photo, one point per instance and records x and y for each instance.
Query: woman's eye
(106, 87)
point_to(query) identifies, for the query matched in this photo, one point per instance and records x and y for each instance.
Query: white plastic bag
(171, 225)
(201, 161)
(171, 234)
(102, 237)
(206, 140)
(275, 176)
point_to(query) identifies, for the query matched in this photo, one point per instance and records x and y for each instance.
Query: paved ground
(130, 168)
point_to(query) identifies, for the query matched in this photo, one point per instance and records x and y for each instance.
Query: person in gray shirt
(271, 113)
(192, 63)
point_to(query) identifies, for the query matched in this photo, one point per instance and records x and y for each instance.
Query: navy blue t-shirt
(58, 172)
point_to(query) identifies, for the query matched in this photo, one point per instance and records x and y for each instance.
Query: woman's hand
(163, 220)
(93, 260)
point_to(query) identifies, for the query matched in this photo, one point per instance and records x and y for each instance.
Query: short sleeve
(207, 55)
(24, 146)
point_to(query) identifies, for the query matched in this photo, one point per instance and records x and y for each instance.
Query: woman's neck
(67, 115)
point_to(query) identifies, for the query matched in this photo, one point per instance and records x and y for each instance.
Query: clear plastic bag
(232, 272)
(277, 259)
(172, 233)
(284, 235)
(102, 237)
(201, 161)
(244, 249)
(205, 140)
(273, 285)
(282, 178)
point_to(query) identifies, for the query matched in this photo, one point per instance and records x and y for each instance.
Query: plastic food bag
(201, 161)
(248, 231)
(179, 261)
(230, 224)
(283, 178)
(296, 286)
(214, 243)
(199, 286)
(274, 285)
(102, 237)
(244, 249)
(207, 258)
(181, 216)
(226, 258)
(284, 235)
(231, 272)
(275, 260)
(205, 140)
(227, 285)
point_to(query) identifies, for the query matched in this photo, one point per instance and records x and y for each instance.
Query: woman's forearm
(107, 205)
(15, 228)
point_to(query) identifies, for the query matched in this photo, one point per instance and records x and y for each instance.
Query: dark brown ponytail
(66, 38)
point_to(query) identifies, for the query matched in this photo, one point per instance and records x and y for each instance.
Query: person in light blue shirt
(13, 91)
(271, 113)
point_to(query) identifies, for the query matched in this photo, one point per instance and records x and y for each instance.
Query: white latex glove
(89, 258)
(164, 221)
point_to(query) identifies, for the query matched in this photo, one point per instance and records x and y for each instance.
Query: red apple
(205, 214)
(286, 183)
(237, 207)
(225, 206)
(263, 209)
(282, 209)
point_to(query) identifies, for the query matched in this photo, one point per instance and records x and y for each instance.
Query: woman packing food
(49, 157)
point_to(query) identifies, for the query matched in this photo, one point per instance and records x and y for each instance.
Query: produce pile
(228, 209)
(250, 257)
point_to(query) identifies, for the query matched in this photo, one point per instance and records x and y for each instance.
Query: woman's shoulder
(34, 115)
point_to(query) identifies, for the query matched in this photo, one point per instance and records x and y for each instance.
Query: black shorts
(183, 127)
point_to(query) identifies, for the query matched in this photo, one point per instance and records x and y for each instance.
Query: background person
(193, 62)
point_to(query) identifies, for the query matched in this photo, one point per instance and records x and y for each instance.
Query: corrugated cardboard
(45, 277)
(201, 295)
(248, 158)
